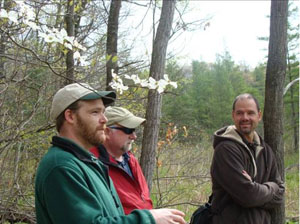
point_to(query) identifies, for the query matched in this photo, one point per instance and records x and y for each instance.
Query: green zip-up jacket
(72, 186)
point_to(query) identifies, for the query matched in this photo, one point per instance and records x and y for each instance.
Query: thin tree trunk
(293, 117)
(69, 18)
(112, 41)
(275, 76)
(153, 112)
(3, 42)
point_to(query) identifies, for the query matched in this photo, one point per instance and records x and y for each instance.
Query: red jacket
(133, 193)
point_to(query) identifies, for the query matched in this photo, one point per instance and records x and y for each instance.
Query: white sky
(235, 27)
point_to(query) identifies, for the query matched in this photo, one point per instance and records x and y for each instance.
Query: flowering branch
(160, 85)
(25, 15)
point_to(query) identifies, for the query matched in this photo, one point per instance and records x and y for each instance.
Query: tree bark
(153, 112)
(3, 40)
(69, 19)
(3, 43)
(112, 41)
(294, 115)
(275, 76)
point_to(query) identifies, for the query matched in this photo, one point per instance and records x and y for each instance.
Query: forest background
(32, 69)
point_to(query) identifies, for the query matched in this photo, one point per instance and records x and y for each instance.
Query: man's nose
(133, 135)
(245, 116)
(103, 119)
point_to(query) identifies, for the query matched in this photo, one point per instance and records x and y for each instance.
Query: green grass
(292, 185)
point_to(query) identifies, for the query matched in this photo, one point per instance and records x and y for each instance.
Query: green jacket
(72, 186)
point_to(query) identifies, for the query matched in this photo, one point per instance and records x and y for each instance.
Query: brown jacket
(245, 201)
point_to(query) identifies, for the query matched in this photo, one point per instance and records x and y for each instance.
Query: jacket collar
(104, 156)
(71, 147)
(230, 132)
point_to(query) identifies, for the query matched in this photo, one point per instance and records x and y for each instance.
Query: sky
(235, 26)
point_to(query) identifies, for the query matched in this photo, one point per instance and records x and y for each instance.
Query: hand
(246, 175)
(167, 216)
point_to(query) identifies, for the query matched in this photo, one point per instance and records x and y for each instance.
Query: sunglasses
(127, 131)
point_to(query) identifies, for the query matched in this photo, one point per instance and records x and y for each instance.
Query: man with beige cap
(72, 186)
(124, 168)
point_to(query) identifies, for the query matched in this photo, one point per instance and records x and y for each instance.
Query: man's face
(120, 141)
(246, 117)
(90, 122)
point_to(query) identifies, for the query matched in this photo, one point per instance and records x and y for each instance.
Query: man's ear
(260, 115)
(232, 115)
(107, 131)
(69, 116)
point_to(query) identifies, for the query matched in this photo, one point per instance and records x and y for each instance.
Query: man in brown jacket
(245, 180)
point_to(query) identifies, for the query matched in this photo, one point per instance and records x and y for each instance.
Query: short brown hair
(61, 117)
(245, 96)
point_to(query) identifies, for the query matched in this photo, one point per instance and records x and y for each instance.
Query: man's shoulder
(227, 144)
(132, 156)
(57, 155)
(229, 148)
(54, 158)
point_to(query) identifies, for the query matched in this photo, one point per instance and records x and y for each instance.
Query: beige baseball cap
(77, 91)
(120, 115)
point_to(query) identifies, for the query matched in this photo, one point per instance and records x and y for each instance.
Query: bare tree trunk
(112, 41)
(153, 112)
(293, 117)
(69, 18)
(3, 42)
(275, 76)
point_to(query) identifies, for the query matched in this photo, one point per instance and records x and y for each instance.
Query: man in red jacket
(124, 168)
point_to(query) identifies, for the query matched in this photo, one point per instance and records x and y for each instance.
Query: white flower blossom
(134, 78)
(51, 37)
(169, 82)
(13, 16)
(166, 77)
(82, 60)
(70, 39)
(152, 84)
(26, 10)
(32, 25)
(69, 46)
(161, 85)
(3, 13)
(64, 34)
(78, 45)
(174, 84)
(76, 55)
(117, 83)
(118, 86)
(144, 83)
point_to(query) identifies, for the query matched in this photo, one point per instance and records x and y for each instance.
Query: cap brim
(107, 97)
(132, 122)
